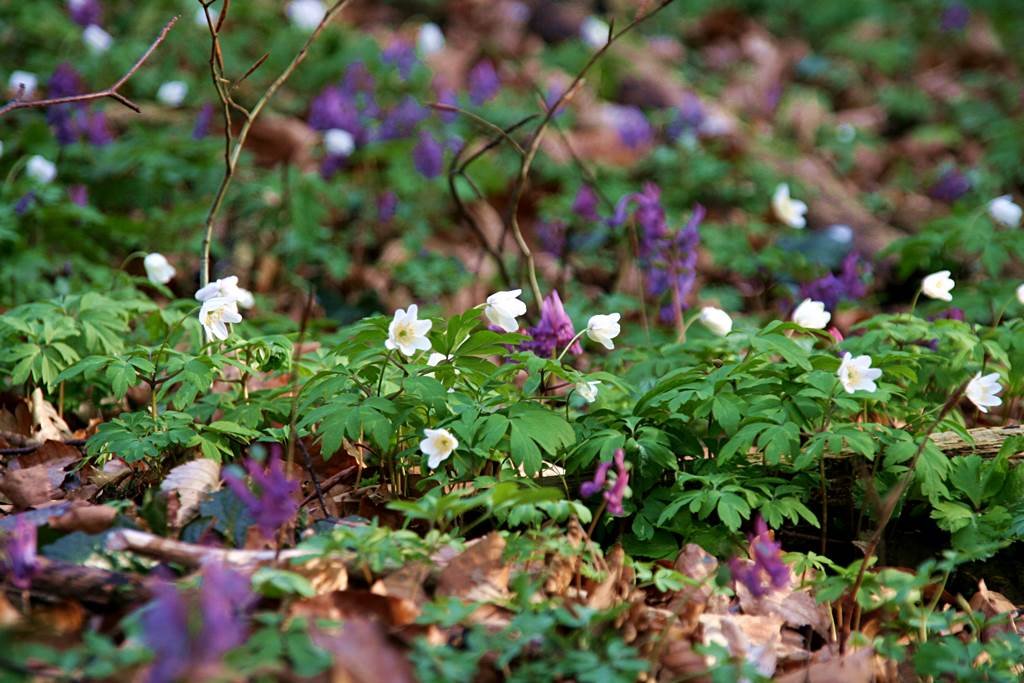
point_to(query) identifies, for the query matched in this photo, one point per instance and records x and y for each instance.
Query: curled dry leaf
(796, 608)
(362, 653)
(616, 584)
(358, 604)
(85, 517)
(190, 482)
(46, 422)
(326, 574)
(853, 667)
(479, 573)
(36, 479)
(754, 639)
(993, 604)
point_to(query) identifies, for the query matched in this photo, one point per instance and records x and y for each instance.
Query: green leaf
(278, 583)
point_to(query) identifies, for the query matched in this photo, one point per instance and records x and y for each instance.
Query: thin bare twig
(512, 220)
(233, 151)
(112, 92)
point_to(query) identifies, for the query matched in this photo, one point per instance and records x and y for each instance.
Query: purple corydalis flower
(445, 95)
(554, 330)
(96, 129)
(21, 563)
(72, 122)
(767, 571)
(402, 120)
(225, 597)
(387, 206)
(614, 495)
(79, 194)
(85, 12)
(333, 108)
(358, 79)
(483, 82)
(203, 121)
(552, 237)
(164, 622)
(955, 17)
(274, 505)
(402, 55)
(848, 284)
(428, 156)
(951, 186)
(690, 115)
(633, 128)
(585, 204)
(25, 203)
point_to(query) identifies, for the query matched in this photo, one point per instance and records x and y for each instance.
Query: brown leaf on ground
(616, 584)
(36, 478)
(853, 667)
(190, 483)
(993, 604)
(362, 653)
(479, 573)
(282, 139)
(562, 568)
(326, 574)
(679, 662)
(796, 608)
(46, 422)
(691, 600)
(358, 604)
(754, 639)
(405, 583)
(91, 519)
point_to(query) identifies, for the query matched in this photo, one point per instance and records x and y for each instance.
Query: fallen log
(100, 589)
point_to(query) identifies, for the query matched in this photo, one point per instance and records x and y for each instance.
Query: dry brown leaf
(479, 573)
(754, 639)
(796, 608)
(993, 604)
(326, 574)
(190, 481)
(563, 567)
(615, 585)
(854, 667)
(406, 583)
(358, 604)
(362, 653)
(91, 519)
(36, 479)
(47, 423)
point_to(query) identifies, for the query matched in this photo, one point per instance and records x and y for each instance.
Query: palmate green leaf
(524, 451)
(783, 346)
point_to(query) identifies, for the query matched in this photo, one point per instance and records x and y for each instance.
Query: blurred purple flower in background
(275, 504)
(73, 122)
(445, 95)
(554, 330)
(79, 194)
(767, 570)
(225, 598)
(688, 119)
(400, 54)
(428, 156)
(85, 12)
(358, 79)
(955, 17)
(387, 206)
(951, 186)
(552, 236)
(203, 121)
(402, 120)
(164, 622)
(848, 284)
(585, 204)
(633, 128)
(483, 82)
(20, 563)
(333, 108)
(24, 203)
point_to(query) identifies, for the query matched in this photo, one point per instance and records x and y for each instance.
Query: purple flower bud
(554, 330)
(20, 563)
(64, 82)
(589, 488)
(333, 108)
(95, 128)
(585, 204)
(428, 156)
(483, 82)
(832, 288)
(203, 121)
(387, 206)
(955, 17)
(79, 194)
(401, 55)
(275, 505)
(402, 120)
(617, 493)
(951, 186)
(85, 12)
(768, 570)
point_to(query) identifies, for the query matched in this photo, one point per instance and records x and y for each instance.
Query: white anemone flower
(811, 314)
(788, 210)
(41, 169)
(158, 269)
(227, 287)
(215, 315)
(1005, 212)
(856, 374)
(23, 79)
(502, 309)
(306, 14)
(438, 446)
(407, 333)
(588, 390)
(430, 39)
(96, 39)
(339, 142)
(1020, 294)
(938, 286)
(983, 391)
(172, 93)
(603, 328)
(716, 320)
(594, 32)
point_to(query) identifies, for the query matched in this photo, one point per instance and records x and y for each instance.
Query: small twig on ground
(312, 476)
(330, 482)
(20, 450)
(112, 92)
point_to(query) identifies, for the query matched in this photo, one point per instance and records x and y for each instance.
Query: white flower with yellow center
(227, 287)
(438, 446)
(216, 314)
(407, 333)
(938, 286)
(856, 374)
